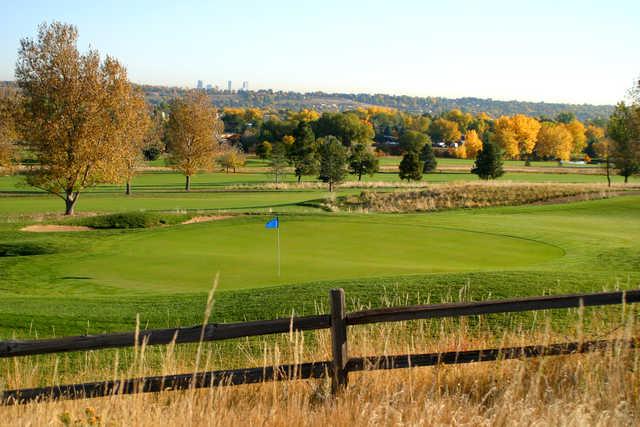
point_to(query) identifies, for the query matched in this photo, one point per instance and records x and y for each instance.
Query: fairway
(185, 258)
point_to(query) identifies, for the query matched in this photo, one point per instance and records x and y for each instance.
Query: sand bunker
(50, 228)
(197, 219)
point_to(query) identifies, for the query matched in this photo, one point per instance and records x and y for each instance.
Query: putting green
(313, 248)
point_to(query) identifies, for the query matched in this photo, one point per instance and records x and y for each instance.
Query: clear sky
(584, 51)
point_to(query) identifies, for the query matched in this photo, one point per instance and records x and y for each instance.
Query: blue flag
(274, 223)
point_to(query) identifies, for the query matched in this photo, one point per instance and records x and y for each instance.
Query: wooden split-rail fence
(338, 368)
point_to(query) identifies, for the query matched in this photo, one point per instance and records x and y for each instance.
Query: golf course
(98, 280)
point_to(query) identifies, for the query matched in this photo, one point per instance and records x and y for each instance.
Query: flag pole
(278, 243)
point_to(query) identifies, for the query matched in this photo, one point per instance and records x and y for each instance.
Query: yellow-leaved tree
(76, 111)
(578, 134)
(8, 133)
(554, 140)
(517, 135)
(193, 134)
(304, 115)
(472, 144)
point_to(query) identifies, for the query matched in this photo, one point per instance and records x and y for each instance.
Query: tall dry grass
(591, 389)
(474, 195)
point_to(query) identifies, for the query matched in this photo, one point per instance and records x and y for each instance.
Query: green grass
(98, 281)
(213, 191)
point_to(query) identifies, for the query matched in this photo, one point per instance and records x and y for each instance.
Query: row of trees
(82, 122)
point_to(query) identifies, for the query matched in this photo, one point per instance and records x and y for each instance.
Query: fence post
(338, 340)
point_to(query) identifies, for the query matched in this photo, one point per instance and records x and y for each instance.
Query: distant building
(209, 87)
(245, 86)
(199, 85)
(229, 85)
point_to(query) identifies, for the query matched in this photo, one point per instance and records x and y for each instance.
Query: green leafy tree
(565, 117)
(363, 161)
(624, 130)
(413, 141)
(488, 162)
(278, 162)
(428, 158)
(303, 152)
(263, 150)
(411, 167)
(349, 128)
(333, 161)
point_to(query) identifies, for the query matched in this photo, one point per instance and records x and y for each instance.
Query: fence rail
(338, 368)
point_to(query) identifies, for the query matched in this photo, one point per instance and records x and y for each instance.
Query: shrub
(131, 220)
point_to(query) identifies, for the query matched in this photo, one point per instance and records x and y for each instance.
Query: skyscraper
(245, 86)
(229, 85)
(199, 85)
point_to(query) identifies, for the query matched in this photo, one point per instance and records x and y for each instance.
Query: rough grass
(591, 389)
(474, 195)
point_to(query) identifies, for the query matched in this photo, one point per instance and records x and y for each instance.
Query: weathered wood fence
(338, 368)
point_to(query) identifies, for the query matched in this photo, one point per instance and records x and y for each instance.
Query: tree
(231, 158)
(363, 161)
(565, 117)
(488, 162)
(278, 162)
(413, 141)
(411, 167)
(263, 150)
(75, 113)
(348, 127)
(443, 130)
(135, 128)
(8, 134)
(594, 135)
(333, 160)
(577, 131)
(303, 152)
(554, 140)
(428, 159)
(193, 134)
(472, 144)
(517, 135)
(604, 150)
(624, 130)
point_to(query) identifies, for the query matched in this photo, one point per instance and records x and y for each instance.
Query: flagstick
(278, 245)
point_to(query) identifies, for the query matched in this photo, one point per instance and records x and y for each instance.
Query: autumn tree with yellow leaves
(554, 140)
(8, 133)
(193, 135)
(76, 113)
(517, 135)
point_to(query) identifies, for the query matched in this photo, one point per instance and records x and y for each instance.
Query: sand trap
(197, 219)
(50, 228)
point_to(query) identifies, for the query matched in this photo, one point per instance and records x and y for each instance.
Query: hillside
(321, 101)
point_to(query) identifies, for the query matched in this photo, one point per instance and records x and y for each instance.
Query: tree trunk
(608, 173)
(187, 184)
(360, 175)
(299, 178)
(70, 204)
(330, 186)
(127, 190)
(626, 179)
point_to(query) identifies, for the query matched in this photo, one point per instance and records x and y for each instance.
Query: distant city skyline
(569, 52)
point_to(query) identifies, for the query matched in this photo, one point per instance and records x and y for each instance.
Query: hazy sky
(555, 51)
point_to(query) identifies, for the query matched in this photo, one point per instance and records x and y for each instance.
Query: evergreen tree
(333, 161)
(488, 162)
(303, 152)
(411, 167)
(362, 161)
(428, 158)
